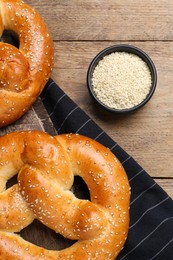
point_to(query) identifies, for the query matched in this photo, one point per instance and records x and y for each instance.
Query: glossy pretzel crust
(47, 166)
(24, 71)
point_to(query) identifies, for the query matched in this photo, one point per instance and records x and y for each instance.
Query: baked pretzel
(24, 71)
(46, 167)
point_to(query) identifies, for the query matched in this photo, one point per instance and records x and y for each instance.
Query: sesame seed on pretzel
(24, 71)
(46, 167)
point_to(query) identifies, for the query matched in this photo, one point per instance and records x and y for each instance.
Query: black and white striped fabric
(151, 210)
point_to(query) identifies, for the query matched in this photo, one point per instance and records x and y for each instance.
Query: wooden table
(80, 29)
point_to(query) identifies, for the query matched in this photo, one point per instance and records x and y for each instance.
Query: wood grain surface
(35, 119)
(80, 29)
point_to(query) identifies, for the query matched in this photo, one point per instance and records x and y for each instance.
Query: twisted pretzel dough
(46, 167)
(24, 71)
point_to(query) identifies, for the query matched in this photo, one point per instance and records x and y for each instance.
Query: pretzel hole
(39, 234)
(10, 37)
(80, 189)
(11, 182)
(42, 236)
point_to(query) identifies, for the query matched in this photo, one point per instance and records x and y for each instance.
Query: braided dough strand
(47, 166)
(24, 71)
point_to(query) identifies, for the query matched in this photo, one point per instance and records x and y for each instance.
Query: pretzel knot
(46, 167)
(24, 71)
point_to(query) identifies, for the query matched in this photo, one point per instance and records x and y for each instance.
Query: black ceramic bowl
(128, 49)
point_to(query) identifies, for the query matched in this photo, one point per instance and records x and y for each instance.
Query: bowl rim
(129, 49)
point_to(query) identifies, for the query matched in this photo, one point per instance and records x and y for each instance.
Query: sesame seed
(121, 80)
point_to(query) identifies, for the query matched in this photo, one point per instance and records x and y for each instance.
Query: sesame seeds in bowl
(121, 78)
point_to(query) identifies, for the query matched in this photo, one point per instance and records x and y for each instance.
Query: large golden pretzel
(46, 167)
(24, 71)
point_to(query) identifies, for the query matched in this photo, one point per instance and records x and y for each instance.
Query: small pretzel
(46, 167)
(24, 71)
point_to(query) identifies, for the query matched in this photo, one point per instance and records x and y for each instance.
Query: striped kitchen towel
(151, 210)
